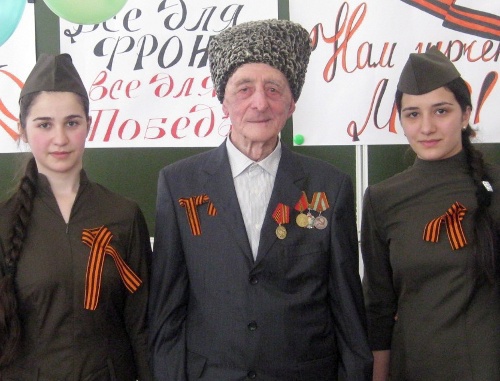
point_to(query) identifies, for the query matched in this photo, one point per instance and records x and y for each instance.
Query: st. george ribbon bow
(452, 218)
(98, 240)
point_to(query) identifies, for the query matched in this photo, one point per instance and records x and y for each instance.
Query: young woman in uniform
(74, 256)
(430, 240)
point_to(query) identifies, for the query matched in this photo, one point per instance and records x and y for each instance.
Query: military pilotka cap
(424, 72)
(281, 44)
(54, 73)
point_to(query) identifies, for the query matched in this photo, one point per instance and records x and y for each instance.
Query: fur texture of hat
(425, 72)
(281, 44)
(54, 73)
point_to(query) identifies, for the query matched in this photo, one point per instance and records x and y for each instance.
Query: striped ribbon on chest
(98, 240)
(452, 219)
(191, 204)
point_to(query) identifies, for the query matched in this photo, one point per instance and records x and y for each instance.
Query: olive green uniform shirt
(63, 340)
(448, 325)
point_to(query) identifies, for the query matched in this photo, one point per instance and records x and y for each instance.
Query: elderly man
(255, 269)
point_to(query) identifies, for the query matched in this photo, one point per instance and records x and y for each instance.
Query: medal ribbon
(452, 218)
(319, 202)
(282, 214)
(98, 240)
(302, 204)
(191, 204)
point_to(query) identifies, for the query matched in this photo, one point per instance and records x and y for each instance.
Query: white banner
(17, 57)
(147, 72)
(360, 49)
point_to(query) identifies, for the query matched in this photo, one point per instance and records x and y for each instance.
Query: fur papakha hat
(424, 72)
(281, 44)
(54, 73)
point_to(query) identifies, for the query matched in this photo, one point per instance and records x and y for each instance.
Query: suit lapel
(220, 189)
(290, 182)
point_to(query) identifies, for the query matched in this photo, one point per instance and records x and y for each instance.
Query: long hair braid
(10, 324)
(485, 236)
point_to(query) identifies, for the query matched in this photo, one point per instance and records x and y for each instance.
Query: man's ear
(291, 109)
(224, 110)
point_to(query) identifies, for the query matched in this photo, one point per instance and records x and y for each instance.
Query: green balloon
(86, 12)
(298, 139)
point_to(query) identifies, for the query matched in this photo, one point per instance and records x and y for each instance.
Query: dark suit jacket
(295, 313)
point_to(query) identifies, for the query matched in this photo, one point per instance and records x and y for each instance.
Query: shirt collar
(239, 162)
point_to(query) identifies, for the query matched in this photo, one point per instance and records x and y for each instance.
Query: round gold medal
(281, 232)
(302, 220)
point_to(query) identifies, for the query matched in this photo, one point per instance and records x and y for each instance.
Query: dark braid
(485, 238)
(486, 243)
(10, 325)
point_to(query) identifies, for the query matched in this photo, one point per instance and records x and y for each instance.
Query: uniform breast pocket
(303, 249)
(301, 264)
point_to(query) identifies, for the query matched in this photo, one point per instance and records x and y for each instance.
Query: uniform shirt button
(252, 326)
(253, 280)
(252, 375)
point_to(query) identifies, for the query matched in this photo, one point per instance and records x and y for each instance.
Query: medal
(310, 220)
(302, 220)
(320, 203)
(282, 216)
(320, 222)
(281, 232)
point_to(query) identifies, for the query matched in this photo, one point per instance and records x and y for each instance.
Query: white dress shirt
(254, 183)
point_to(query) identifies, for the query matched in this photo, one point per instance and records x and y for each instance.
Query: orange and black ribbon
(452, 218)
(191, 204)
(98, 240)
(463, 19)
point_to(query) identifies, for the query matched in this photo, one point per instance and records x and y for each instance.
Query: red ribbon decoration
(98, 240)
(303, 203)
(282, 214)
(319, 202)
